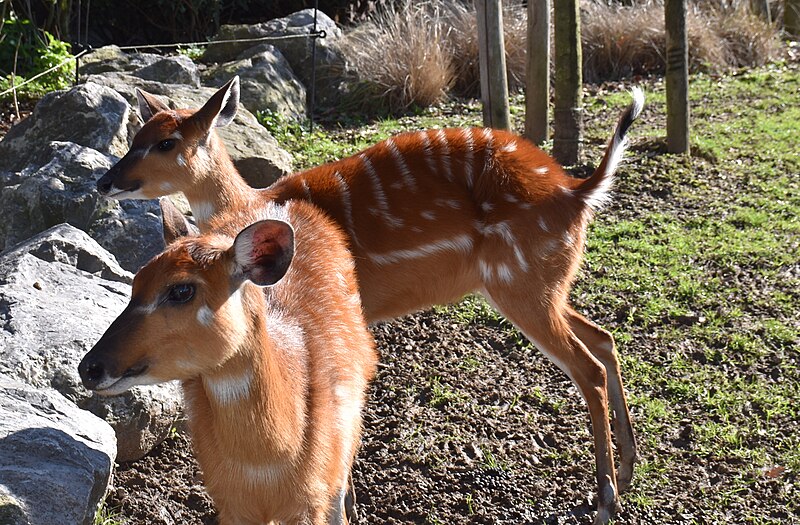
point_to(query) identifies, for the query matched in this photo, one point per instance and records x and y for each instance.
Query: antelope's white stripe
(380, 195)
(445, 155)
(427, 152)
(397, 155)
(460, 243)
(347, 204)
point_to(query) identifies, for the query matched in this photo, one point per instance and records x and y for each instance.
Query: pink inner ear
(268, 240)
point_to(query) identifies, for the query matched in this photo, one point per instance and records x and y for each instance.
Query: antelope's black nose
(104, 184)
(91, 371)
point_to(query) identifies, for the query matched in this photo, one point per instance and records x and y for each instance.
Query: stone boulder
(55, 459)
(266, 80)
(287, 34)
(256, 153)
(112, 58)
(59, 186)
(90, 115)
(171, 70)
(59, 292)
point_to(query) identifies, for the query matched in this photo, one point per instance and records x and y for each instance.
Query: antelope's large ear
(263, 251)
(174, 224)
(221, 108)
(149, 105)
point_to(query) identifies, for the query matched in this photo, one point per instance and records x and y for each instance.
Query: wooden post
(791, 17)
(761, 8)
(537, 71)
(677, 77)
(494, 86)
(567, 113)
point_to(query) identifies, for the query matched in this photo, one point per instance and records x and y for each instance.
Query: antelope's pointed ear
(263, 251)
(175, 225)
(149, 105)
(221, 108)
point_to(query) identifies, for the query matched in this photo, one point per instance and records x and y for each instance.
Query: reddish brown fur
(289, 422)
(487, 211)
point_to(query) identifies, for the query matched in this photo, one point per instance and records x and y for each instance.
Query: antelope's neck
(248, 406)
(218, 186)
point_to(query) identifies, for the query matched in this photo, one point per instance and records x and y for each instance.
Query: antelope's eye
(181, 293)
(166, 145)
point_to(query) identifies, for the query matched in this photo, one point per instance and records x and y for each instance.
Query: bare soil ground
(467, 423)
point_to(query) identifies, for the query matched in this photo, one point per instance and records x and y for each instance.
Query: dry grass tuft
(400, 56)
(620, 41)
(416, 53)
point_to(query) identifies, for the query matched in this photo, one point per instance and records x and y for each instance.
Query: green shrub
(26, 51)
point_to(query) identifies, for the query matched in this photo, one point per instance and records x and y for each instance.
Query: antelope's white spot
(202, 210)
(259, 475)
(541, 170)
(460, 243)
(504, 273)
(486, 270)
(569, 240)
(449, 203)
(543, 224)
(487, 206)
(181, 160)
(523, 263)
(428, 215)
(147, 309)
(306, 189)
(501, 229)
(229, 389)
(565, 190)
(510, 198)
(205, 316)
(405, 172)
(549, 246)
(510, 147)
(166, 187)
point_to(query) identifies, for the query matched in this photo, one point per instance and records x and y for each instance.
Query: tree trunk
(537, 72)
(677, 77)
(568, 117)
(494, 86)
(791, 17)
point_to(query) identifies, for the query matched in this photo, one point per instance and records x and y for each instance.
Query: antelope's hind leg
(601, 344)
(548, 328)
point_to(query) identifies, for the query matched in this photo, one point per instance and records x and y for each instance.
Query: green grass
(701, 287)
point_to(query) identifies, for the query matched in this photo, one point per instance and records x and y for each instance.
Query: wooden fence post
(677, 77)
(791, 17)
(537, 71)
(494, 86)
(568, 107)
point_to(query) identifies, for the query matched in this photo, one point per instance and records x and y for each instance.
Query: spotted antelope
(274, 379)
(430, 215)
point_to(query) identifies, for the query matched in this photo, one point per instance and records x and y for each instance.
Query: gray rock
(90, 115)
(55, 459)
(256, 153)
(266, 80)
(59, 292)
(112, 58)
(171, 70)
(59, 186)
(287, 33)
